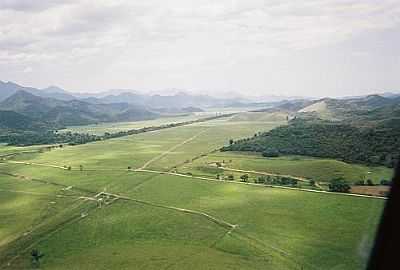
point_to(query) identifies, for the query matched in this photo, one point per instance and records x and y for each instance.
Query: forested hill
(11, 121)
(375, 146)
(72, 112)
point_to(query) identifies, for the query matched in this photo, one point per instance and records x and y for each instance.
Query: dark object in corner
(385, 253)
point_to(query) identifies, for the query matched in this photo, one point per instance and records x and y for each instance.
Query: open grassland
(320, 170)
(276, 229)
(260, 116)
(10, 150)
(101, 128)
(104, 216)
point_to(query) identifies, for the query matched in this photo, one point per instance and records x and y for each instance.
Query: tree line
(371, 146)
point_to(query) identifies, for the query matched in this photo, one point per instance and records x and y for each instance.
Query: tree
(129, 167)
(293, 182)
(81, 167)
(260, 180)
(339, 185)
(270, 152)
(69, 168)
(36, 256)
(326, 139)
(231, 177)
(312, 183)
(268, 179)
(359, 183)
(244, 178)
(369, 182)
(385, 182)
(230, 141)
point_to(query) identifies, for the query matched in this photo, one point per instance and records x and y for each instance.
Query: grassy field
(7, 150)
(320, 170)
(101, 128)
(108, 217)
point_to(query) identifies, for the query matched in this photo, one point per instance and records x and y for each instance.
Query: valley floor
(152, 201)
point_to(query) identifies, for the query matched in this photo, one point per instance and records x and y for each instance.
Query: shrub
(244, 178)
(339, 185)
(271, 152)
(385, 182)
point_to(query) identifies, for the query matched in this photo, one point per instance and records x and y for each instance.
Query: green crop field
(101, 215)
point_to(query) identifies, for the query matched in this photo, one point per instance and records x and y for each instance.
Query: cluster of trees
(24, 138)
(372, 146)
(229, 177)
(369, 182)
(49, 137)
(265, 179)
(339, 185)
(276, 180)
(335, 185)
(270, 152)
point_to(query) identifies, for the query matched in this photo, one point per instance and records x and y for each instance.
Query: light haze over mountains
(283, 48)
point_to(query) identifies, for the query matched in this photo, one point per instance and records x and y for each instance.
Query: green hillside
(13, 121)
(72, 112)
(327, 140)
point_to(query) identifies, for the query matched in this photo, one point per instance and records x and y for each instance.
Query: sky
(252, 47)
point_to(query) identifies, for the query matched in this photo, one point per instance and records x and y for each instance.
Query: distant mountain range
(9, 88)
(177, 99)
(55, 107)
(71, 112)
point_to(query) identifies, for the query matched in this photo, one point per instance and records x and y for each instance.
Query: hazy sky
(256, 47)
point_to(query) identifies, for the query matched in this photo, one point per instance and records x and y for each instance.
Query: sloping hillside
(12, 121)
(328, 140)
(361, 130)
(72, 112)
(321, 109)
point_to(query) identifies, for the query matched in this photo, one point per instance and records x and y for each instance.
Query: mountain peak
(54, 89)
(10, 85)
(21, 95)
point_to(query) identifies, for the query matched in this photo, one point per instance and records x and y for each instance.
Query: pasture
(318, 169)
(98, 214)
